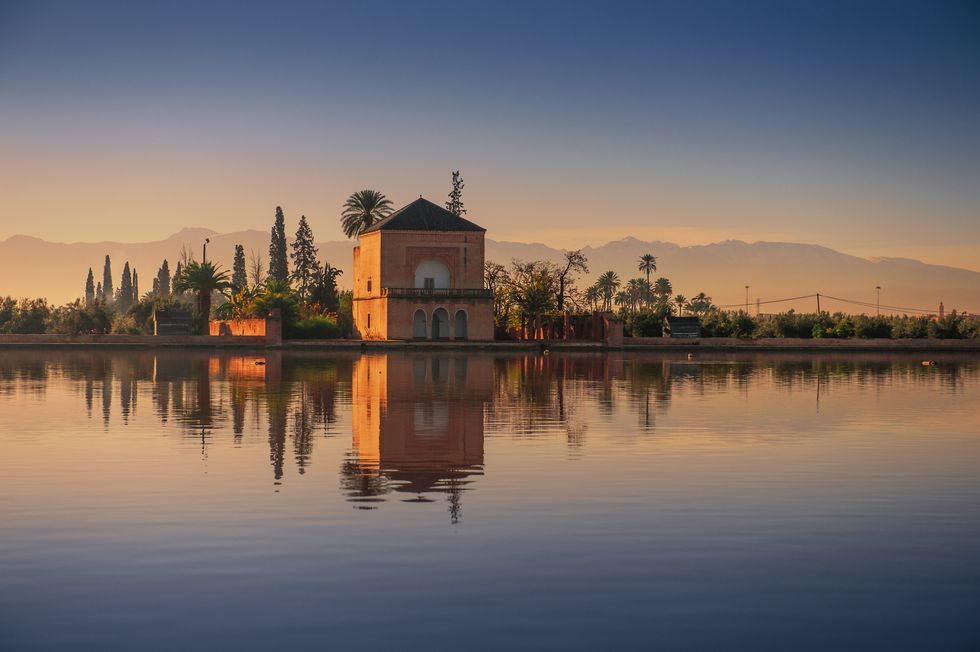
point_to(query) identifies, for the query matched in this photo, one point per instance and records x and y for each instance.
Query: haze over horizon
(850, 126)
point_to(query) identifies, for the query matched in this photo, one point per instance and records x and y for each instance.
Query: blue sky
(850, 124)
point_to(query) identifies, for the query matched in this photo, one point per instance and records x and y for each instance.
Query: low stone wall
(789, 344)
(142, 341)
(238, 327)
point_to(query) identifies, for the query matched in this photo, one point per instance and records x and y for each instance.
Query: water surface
(188, 500)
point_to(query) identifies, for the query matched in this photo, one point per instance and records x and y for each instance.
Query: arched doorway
(462, 329)
(418, 325)
(440, 324)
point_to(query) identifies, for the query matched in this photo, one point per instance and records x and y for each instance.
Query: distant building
(682, 327)
(418, 274)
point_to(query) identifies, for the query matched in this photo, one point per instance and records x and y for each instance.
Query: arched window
(440, 324)
(432, 274)
(418, 325)
(462, 330)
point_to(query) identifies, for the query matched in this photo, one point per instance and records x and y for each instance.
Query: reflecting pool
(454, 501)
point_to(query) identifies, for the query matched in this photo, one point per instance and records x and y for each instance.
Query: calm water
(485, 502)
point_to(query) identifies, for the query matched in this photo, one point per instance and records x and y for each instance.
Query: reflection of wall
(418, 419)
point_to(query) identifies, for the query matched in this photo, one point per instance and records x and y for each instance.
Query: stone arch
(461, 326)
(440, 324)
(437, 273)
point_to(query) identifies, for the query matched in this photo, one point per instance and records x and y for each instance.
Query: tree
(455, 203)
(532, 288)
(608, 283)
(89, 288)
(575, 262)
(124, 298)
(306, 267)
(496, 279)
(204, 279)
(592, 296)
(239, 278)
(362, 209)
(136, 287)
(162, 285)
(700, 304)
(278, 263)
(107, 280)
(256, 268)
(681, 302)
(648, 264)
(177, 272)
(323, 291)
(99, 293)
(662, 289)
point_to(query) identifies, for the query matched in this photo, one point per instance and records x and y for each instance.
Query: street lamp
(878, 301)
(205, 255)
(746, 299)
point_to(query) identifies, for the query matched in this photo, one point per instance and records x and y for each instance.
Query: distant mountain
(772, 270)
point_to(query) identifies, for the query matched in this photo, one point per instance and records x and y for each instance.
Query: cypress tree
(107, 280)
(305, 265)
(99, 294)
(278, 263)
(163, 279)
(89, 288)
(156, 286)
(455, 203)
(125, 296)
(177, 271)
(136, 288)
(239, 277)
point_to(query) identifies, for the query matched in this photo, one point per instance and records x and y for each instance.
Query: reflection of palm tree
(362, 210)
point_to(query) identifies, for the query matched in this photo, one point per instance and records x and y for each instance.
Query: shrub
(76, 318)
(319, 327)
(872, 327)
(646, 324)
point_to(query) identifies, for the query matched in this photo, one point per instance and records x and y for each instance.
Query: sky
(855, 125)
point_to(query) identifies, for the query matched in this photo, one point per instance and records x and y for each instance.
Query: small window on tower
(429, 283)
(369, 285)
(369, 321)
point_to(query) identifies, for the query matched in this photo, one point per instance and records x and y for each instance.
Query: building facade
(418, 274)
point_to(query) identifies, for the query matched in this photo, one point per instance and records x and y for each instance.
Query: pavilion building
(418, 274)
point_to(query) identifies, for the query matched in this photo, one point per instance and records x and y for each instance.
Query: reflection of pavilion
(417, 425)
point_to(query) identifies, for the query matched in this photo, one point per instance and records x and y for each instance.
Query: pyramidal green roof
(423, 215)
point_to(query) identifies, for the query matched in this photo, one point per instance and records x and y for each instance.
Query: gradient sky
(855, 124)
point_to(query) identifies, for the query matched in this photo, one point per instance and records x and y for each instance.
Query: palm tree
(662, 288)
(363, 209)
(648, 263)
(203, 278)
(592, 295)
(681, 302)
(608, 283)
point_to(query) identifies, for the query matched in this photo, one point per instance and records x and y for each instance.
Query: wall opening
(440, 324)
(462, 328)
(434, 270)
(418, 324)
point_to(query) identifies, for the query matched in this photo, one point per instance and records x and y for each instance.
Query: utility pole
(818, 303)
(757, 306)
(878, 301)
(205, 254)
(746, 299)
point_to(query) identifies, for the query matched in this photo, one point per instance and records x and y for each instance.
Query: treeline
(838, 325)
(545, 291)
(295, 281)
